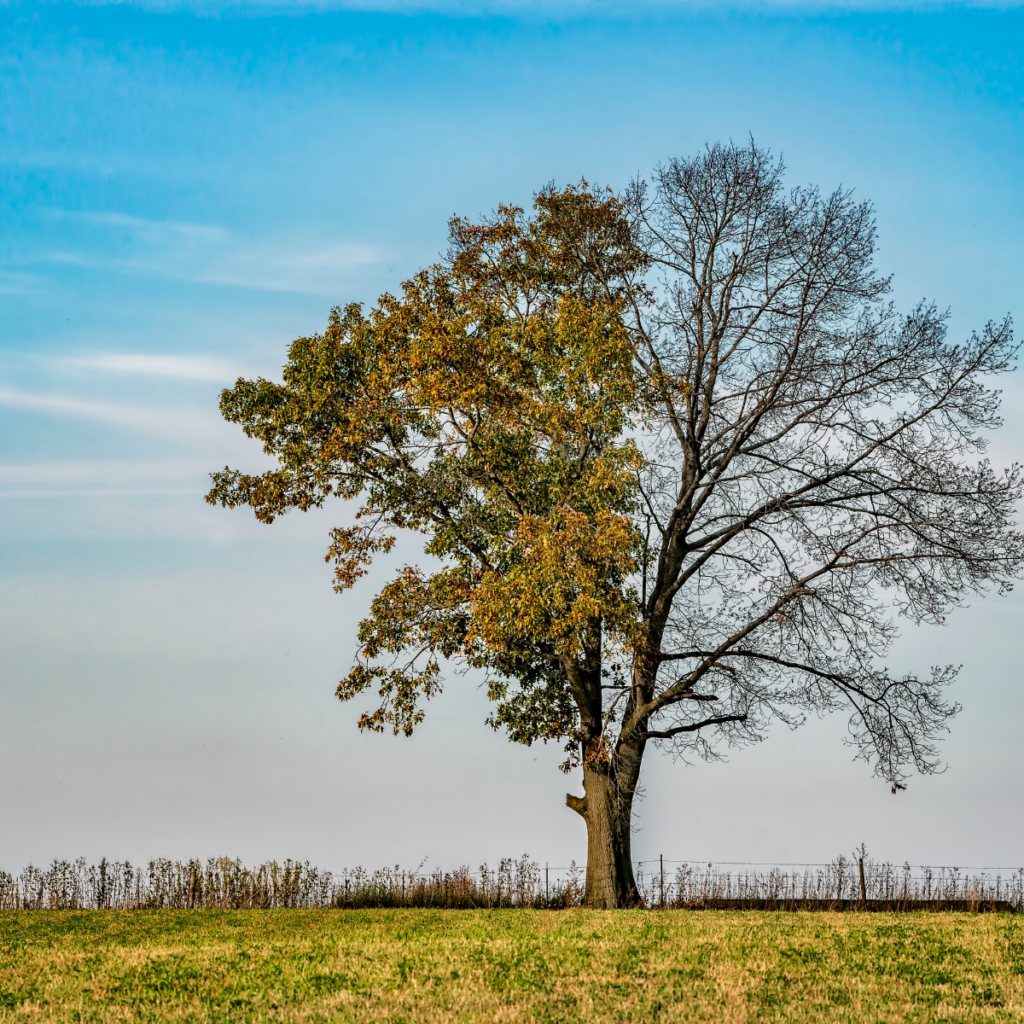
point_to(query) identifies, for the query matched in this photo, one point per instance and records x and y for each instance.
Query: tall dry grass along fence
(844, 883)
(229, 884)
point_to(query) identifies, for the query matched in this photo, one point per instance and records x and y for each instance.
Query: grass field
(508, 965)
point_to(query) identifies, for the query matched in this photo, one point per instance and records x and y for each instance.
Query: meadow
(428, 965)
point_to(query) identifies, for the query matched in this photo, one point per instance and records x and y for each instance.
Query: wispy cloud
(96, 492)
(101, 478)
(157, 231)
(209, 254)
(14, 283)
(181, 367)
(547, 9)
(163, 423)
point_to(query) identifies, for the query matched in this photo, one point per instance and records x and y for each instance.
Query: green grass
(509, 965)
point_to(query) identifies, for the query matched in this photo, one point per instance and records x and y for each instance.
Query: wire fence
(229, 884)
(845, 882)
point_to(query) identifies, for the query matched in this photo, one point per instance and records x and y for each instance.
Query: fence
(845, 881)
(228, 884)
(225, 883)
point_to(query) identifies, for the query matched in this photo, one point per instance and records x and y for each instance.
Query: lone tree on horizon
(678, 462)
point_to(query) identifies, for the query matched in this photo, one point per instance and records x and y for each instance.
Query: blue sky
(184, 190)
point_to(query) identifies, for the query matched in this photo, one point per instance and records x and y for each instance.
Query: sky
(184, 189)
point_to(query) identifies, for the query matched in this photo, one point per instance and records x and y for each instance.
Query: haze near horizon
(184, 191)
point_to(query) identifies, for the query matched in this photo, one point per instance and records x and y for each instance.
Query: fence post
(547, 886)
(191, 886)
(863, 887)
(661, 862)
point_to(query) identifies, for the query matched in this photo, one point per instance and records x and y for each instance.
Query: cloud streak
(15, 283)
(88, 478)
(168, 424)
(179, 367)
(208, 254)
(548, 9)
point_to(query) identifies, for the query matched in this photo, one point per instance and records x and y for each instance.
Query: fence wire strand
(229, 884)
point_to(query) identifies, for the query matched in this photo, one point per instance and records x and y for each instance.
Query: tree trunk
(610, 778)
(607, 809)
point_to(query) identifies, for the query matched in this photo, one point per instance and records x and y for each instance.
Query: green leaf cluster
(488, 407)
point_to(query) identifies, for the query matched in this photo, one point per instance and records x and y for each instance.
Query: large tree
(679, 465)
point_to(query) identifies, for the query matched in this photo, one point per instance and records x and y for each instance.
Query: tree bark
(607, 809)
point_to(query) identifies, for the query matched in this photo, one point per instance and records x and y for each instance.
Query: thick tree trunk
(607, 809)
(610, 778)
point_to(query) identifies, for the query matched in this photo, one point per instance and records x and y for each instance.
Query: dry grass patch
(508, 965)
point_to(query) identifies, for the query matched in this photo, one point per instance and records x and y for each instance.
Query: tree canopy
(487, 407)
(679, 466)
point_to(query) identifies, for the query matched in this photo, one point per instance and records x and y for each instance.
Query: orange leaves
(578, 241)
(416, 612)
(563, 581)
(400, 691)
(488, 406)
(352, 548)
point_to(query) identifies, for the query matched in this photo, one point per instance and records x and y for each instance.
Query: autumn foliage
(489, 407)
(678, 464)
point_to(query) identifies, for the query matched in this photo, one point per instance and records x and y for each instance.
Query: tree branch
(669, 733)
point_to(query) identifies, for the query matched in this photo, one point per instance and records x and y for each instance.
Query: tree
(678, 463)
